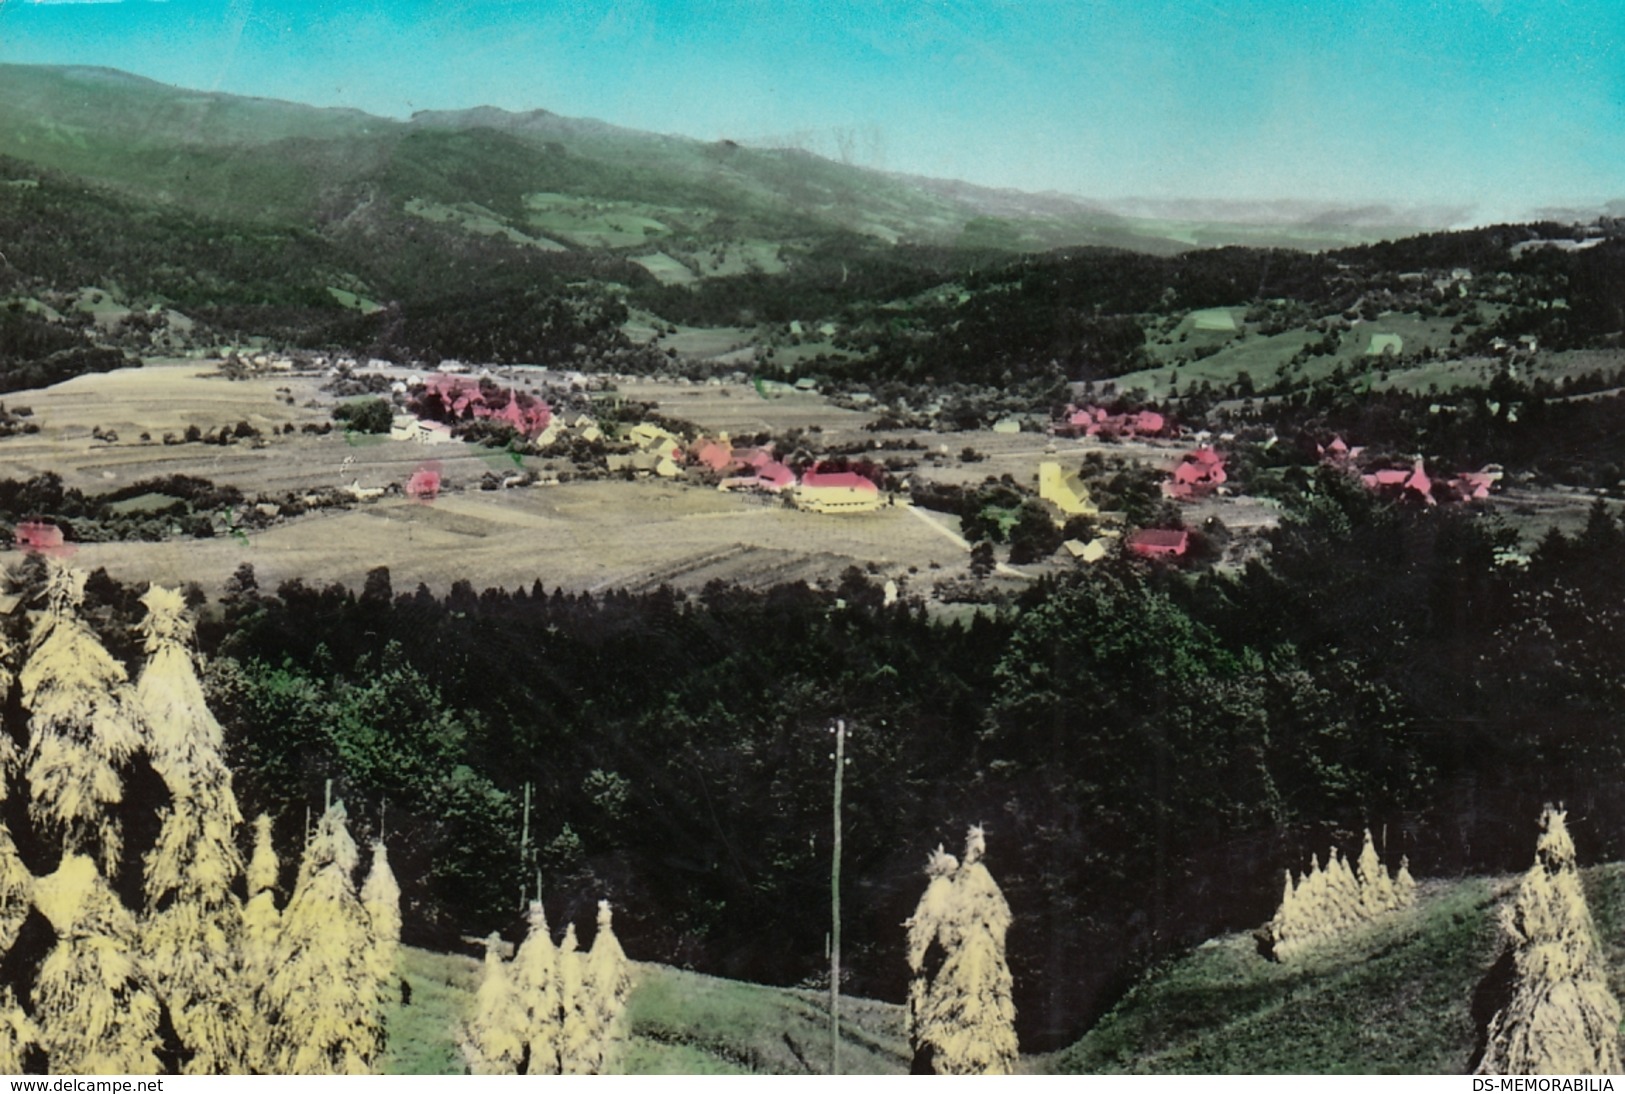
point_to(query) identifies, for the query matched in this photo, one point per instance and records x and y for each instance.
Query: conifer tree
(193, 932)
(536, 984)
(967, 1022)
(95, 1010)
(607, 982)
(83, 724)
(322, 991)
(381, 898)
(492, 1042)
(1561, 1018)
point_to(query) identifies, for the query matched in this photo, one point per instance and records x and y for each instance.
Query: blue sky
(1503, 105)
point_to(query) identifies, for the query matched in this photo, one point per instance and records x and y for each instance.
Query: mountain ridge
(104, 123)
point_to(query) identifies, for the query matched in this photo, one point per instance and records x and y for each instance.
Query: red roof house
(1197, 475)
(837, 492)
(711, 455)
(1159, 542)
(1402, 481)
(1094, 421)
(424, 485)
(40, 536)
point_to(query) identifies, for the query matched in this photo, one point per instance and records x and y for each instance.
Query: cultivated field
(579, 535)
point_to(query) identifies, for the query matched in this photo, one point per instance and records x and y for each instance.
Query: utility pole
(839, 756)
(525, 856)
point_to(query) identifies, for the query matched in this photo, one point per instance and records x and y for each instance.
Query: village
(639, 481)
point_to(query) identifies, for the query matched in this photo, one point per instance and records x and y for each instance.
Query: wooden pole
(524, 853)
(835, 909)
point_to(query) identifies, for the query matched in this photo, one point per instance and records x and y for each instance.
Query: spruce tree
(493, 1040)
(95, 1010)
(83, 725)
(1560, 1017)
(536, 984)
(192, 936)
(967, 1021)
(322, 991)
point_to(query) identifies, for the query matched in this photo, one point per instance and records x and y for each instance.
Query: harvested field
(740, 409)
(589, 535)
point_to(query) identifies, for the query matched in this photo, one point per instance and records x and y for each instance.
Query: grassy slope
(680, 1023)
(1396, 998)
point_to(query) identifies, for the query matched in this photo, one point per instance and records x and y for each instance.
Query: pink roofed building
(41, 537)
(1094, 421)
(1198, 474)
(1475, 485)
(837, 492)
(424, 485)
(771, 475)
(459, 398)
(1412, 483)
(1159, 542)
(711, 455)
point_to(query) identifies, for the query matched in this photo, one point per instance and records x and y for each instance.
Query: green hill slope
(246, 158)
(680, 1023)
(1401, 996)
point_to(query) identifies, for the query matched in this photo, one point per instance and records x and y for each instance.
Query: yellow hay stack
(17, 1031)
(1560, 1018)
(578, 1048)
(607, 981)
(322, 990)
(492, 1042)
(96, 1011)
(1326, 903)
(536, 983)
(381, 900)
(963, 1017)
(261, 938)
(192, 934)
(83, 724)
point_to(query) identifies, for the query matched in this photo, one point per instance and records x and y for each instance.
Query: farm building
(1065, 490)
(41, 536)
(1198, 474)
(407, 428)
(1159, 542)
(758, 470)
(1094, 421)
(1093, 551)
(712, 455)
(651, 438)
(644, 462)
(837, 492)
(1403, 482)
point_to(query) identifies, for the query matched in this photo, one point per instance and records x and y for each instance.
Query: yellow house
(1065, 491)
